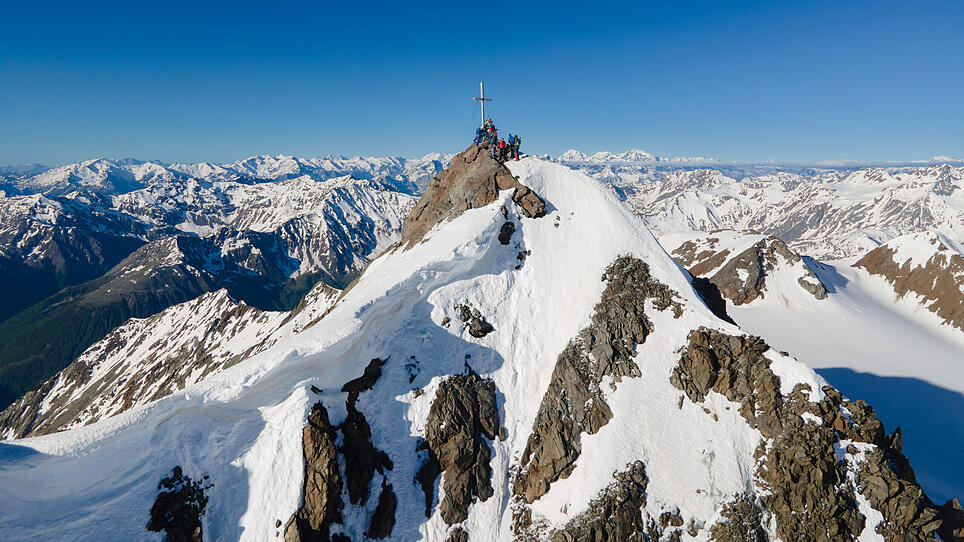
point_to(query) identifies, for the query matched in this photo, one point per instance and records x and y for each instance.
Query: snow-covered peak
(628, 157)
(552, 369)
(572, 155)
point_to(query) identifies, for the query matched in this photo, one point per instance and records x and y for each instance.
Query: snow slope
(242, 427)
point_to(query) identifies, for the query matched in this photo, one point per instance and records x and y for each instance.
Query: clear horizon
(867, 82)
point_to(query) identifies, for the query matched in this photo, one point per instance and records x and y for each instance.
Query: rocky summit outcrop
(178, 508)
(321, 494)
(473, 179)
(937, 277)
(463, 412)
(808, 490)
(574, 403)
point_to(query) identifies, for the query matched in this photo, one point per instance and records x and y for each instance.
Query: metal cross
(482, 99)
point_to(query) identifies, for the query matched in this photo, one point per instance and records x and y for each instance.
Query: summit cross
(482, 99)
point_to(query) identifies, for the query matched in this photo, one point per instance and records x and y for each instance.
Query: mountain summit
(517, 372)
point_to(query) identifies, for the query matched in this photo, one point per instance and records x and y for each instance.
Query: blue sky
(739, 81)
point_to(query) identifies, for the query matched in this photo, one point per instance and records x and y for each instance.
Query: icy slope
(540, 290)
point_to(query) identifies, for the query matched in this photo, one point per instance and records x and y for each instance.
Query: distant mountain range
(531, 361)
(85, 246)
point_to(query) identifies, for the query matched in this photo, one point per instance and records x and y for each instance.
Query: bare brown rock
(743, 521)
(940, 281)
(472, 180)
(321, 506)
(807, 490)
(573, 403)
(743, 278)
(178, 508)
(615, 514)
(458, 534)
(952, 525)
(476, 323)
(464, 411)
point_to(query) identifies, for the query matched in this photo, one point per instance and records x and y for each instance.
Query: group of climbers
(502, 149)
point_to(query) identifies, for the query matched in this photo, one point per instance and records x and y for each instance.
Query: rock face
(808, 490)
(464, 411)
(615, 514)
(473, 179)
(178, 508)
(322, 504)
(742, 278)
(938, 277)
(324, 481)
(574, 404)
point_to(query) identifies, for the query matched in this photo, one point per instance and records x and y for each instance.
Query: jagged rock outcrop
(743, 521)
(810, 493)
(464, 410)
(573, 403)
(615, 514)
(473, 179)
(952, 526)
(474, 321)
(458, 534)
(383, 518)
(178, 508)
(938, 280)
(321, 505)
(362, 459)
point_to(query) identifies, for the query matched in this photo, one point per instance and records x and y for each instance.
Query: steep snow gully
(681, 460)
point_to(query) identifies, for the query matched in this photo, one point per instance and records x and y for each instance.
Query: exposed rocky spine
(321, 493)
(809, 492)
(178, 508)
(574, 403)
(463, 412)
